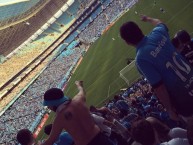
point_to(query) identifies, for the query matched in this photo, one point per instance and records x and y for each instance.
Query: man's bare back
(73, 116)
(77, 121)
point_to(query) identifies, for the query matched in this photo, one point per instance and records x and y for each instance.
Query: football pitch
(106, 57)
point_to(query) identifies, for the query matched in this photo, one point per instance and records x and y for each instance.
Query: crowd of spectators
(109, 14)
(22, 57)
(125, 119)
(128, 109)
(25, 110)
(28, 52)
(139, 100)
(134, 104)
(83, 6)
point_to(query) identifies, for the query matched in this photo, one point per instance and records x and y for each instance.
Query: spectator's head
(53, 98)
(160, 107)
(147, 108)
(47, 129)
(25, 137)
(116, 98)
(131, 33)
(92, 108)
(161, 129)
(143, 132)
(180, 39)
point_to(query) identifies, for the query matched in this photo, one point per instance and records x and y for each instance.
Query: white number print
(178, 68)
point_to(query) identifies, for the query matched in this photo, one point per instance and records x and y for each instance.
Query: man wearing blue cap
(73, 116)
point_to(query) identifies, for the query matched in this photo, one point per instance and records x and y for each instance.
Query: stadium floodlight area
(11, 8)
(13, 28)
(130, 73)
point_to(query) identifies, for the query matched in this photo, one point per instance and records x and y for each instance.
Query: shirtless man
(73, 116)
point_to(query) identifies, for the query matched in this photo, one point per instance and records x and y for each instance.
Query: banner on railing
(40, 126)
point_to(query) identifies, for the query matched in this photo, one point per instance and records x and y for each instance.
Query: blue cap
(55, 102)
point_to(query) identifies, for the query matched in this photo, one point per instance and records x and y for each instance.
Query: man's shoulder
(159, 32)
(161, 27)
(79, 98)
(63, 107)
(76, 102)
(145, 49)
(142, 56)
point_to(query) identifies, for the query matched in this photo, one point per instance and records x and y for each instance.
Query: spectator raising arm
(55, 132)
(81, 94)
(150, 20)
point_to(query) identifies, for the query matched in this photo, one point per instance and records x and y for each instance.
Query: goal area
(130, 73)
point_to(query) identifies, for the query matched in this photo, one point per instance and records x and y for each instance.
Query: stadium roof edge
(24, 19)
(12, 2)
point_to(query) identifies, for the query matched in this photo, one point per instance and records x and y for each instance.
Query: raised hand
(79, 83)
(144, 18)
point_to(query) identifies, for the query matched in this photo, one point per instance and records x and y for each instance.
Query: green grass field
(106, 57)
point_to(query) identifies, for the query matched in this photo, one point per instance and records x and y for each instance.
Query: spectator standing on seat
(73, 116)
(167, 71)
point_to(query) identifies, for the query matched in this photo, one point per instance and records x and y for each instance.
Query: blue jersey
(158, 61)
(64, 139)
(122, 105)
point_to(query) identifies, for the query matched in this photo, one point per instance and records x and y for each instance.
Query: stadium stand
(20, 7)
(24, 57)
(111, 12)
(38, 46)
(135, 102)
(32, 96)
(43, 42)
(14, 29)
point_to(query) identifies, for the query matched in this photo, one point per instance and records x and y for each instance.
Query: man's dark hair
(24, 136)
(53, 94)
(143, 132)
(181, 37)
(92, 108)
(131, 33)
(47, 129)
(116, 98)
